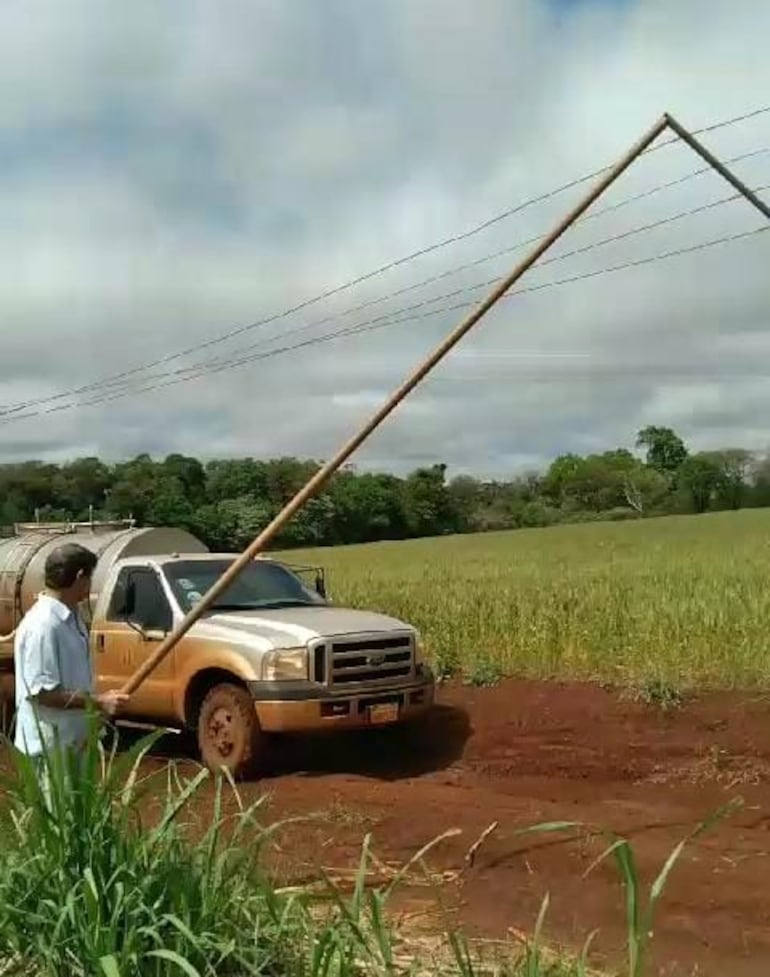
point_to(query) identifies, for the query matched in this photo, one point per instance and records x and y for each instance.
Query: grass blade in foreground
(85, 889)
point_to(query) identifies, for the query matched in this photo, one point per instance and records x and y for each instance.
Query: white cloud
(172, 173)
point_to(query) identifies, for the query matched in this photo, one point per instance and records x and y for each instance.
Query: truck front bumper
(288, 707)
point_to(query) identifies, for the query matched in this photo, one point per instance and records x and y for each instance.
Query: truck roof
(161, 558)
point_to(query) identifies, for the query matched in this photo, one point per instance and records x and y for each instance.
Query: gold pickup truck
(273, 655)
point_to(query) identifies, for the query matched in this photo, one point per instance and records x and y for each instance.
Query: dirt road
(524, 753)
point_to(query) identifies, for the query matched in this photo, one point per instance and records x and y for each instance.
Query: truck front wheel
(228, 730)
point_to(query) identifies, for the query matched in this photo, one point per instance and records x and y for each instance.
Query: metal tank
(23, 556)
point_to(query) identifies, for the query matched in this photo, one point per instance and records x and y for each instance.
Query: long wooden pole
(324, 474)
(720, 167)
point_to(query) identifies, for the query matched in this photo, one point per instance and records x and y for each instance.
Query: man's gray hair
(66, 563)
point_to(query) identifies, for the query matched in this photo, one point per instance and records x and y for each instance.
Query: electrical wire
(382, 269)
(388, 320)
(14, 409)
(321, 296)
(489, 282)
(371, 327)
(498, 254)
(203, 367)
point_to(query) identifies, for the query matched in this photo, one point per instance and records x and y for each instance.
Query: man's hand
(110, 702)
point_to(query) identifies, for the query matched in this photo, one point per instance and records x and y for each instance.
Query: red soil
(524, 753)
(527, 752)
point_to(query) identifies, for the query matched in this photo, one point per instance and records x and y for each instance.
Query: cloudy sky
(176, 174)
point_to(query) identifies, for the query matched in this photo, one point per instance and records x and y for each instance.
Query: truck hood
(292, 627)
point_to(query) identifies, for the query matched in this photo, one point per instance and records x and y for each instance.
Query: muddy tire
(228, 731)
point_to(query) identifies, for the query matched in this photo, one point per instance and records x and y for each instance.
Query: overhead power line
(456, 307)
(382, 269)
(466, 266)
(129, 380)
(371, 327)
(330, 292)
(208, 366)
(489, 282)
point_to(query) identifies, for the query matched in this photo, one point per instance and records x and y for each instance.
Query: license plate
(385, 712)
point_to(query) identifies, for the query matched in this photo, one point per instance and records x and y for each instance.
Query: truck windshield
(260, 585)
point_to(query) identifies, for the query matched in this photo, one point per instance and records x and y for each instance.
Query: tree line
(226, 502)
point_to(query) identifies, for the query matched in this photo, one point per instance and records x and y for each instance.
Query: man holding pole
(52, 662)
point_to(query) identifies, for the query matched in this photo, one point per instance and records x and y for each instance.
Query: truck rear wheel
(228, 730)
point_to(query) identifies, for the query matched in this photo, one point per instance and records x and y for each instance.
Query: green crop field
(678, 601)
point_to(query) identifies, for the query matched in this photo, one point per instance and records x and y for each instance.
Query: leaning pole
(322, 476)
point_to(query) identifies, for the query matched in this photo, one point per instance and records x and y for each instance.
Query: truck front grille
(362, 660)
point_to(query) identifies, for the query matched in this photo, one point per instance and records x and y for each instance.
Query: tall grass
(86, 889)
(679, 600)
(89, 890)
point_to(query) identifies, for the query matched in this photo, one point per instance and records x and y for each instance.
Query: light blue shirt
(51, 651)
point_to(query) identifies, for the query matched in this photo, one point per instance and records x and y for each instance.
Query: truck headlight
(284, 664)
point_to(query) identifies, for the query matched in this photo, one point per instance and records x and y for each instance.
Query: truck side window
(151, 608)
(116, 609)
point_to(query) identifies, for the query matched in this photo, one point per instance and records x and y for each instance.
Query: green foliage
(657, 692)
(231, 523)
(604, 483)
(169, 504)
(485, 672)
(367, 507)
(427, 502)
(666, 452)
(86, 890)
(82, 483)
(228, 501)
(645, 489)
(189, 475)
(700, 477)
(240, 478)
